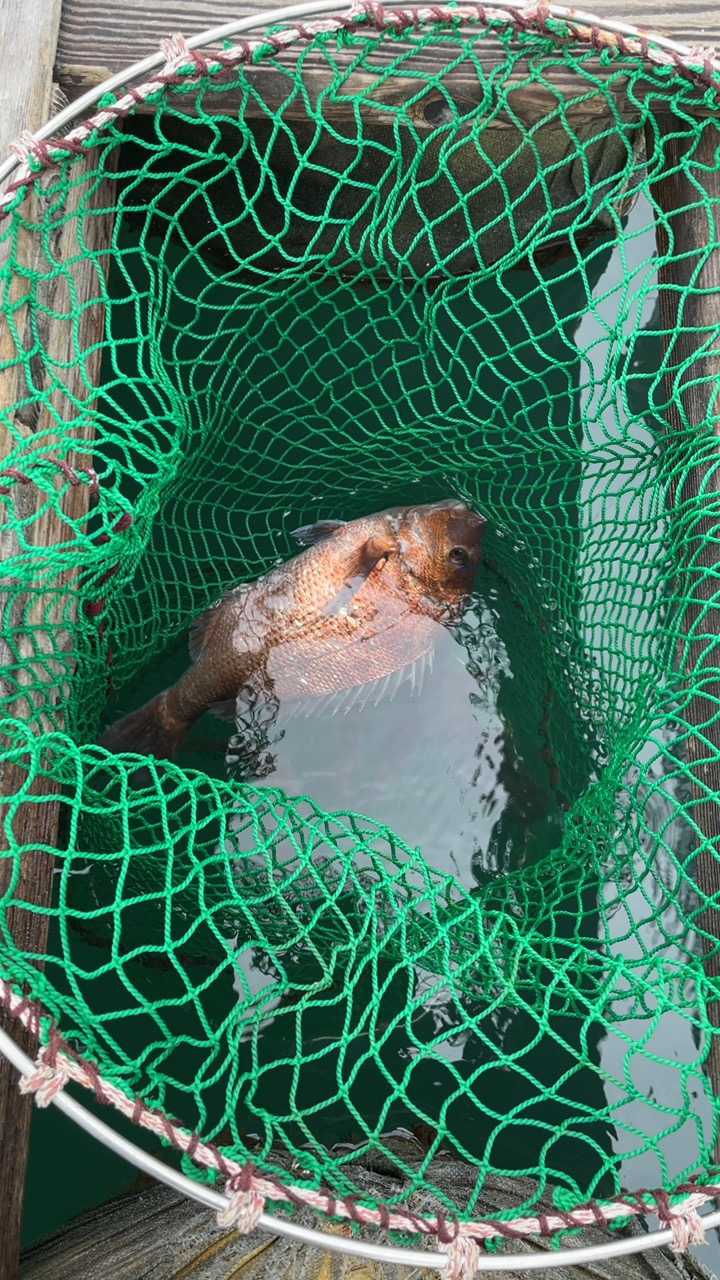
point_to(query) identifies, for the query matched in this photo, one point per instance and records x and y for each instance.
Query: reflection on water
(347, 1019)
(645, 910)
(474, 770)
(646, 897)
(434, 761)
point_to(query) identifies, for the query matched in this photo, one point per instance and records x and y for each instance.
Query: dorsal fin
(309, 534)
(198, 634)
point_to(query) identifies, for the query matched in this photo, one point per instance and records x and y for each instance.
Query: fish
(362, 601)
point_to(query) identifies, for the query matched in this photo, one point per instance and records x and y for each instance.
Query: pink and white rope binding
(699, 65)
(248, 1191)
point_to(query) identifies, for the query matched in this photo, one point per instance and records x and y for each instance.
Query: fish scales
(363, 600)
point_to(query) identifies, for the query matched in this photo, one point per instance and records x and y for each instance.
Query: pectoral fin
(370, 555)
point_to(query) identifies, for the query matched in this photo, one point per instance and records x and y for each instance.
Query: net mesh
(267, 302)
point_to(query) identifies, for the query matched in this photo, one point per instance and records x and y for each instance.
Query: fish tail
(148, 731)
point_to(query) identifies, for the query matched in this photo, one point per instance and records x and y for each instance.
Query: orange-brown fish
(362, 602)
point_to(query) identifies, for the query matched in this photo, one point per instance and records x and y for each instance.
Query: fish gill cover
(316, 312)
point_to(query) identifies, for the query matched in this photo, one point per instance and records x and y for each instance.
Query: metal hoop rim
(97, 1128)
(549, 1261)
(287, 13)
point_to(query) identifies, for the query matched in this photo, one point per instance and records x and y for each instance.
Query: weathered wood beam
(25, 100)
(28, 36)
(424, 104)
(30, 626)
(100, 37)
(688, 229)
(157, 1234)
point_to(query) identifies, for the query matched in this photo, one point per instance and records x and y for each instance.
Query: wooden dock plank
(152, 1233)
(28, 620)
(105, 34)
(25, 99)
(99, 37)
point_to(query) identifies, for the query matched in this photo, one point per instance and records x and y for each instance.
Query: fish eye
(458, 555)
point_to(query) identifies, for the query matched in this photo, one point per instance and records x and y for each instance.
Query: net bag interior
(296, 289)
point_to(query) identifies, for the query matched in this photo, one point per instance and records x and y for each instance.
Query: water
(462, 769)
(649, 1155)
(439, 759)
(478, 772)
(436, 765)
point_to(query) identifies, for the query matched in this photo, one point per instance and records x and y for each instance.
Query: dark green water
(478, 770)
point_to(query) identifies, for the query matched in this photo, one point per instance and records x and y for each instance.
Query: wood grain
(689, 299)
(25, 98)
(100, 37)
(28, 634)
(103, 33)
(154, 1234)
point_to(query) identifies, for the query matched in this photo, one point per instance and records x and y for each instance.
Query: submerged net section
(383, 270)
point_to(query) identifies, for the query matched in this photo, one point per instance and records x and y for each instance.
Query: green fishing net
(378, 269)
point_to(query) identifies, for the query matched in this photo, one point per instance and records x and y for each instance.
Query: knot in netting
(684, 1220)
(463, 1253)
(26, 146)
(245, 1206)
(445, 934)
(176, 53)
(46, 1081)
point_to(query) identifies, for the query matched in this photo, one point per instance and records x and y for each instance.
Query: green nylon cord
(313, 310)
